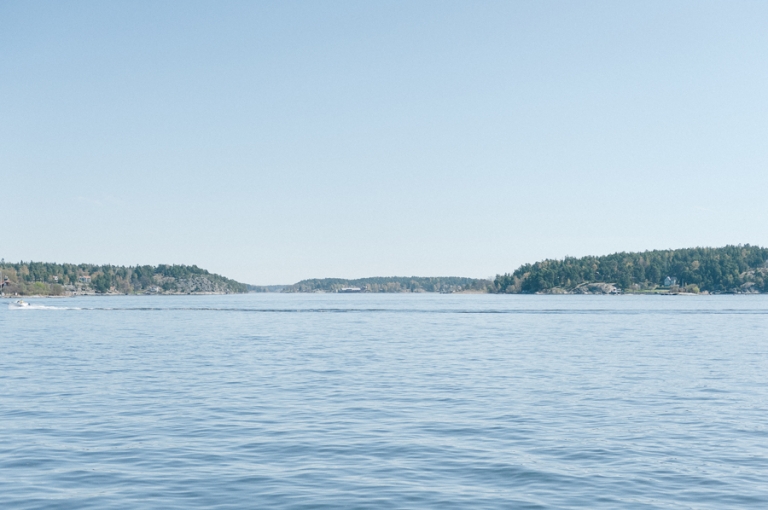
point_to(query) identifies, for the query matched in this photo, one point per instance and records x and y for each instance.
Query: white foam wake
(14, 306)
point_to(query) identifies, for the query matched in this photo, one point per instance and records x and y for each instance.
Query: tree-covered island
(49, 279)
(732, 269)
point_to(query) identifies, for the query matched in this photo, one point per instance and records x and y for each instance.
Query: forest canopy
(731, 269)
(45, 278)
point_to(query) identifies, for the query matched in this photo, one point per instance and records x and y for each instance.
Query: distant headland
(389, 284)
(741, 269)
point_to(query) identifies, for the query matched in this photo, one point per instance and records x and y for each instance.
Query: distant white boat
(19, 304)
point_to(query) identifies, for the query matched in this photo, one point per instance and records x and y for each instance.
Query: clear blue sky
(272, 142)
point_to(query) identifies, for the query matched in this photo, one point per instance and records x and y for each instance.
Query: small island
(50, 279)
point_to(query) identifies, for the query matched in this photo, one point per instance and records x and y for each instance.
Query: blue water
(385, 401)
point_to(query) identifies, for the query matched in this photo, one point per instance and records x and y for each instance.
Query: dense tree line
(717, 270)
(49, 278)
(393, 284)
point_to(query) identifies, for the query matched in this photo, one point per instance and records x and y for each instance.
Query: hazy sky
(272, 142)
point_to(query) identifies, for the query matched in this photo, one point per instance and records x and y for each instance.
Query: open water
(385, 401)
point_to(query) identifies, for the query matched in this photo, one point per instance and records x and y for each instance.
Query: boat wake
(29, 306)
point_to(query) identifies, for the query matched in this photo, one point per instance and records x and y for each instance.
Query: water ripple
(294, 402)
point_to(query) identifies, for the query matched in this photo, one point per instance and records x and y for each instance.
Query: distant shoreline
(54, 279)
(733, 269)
(117, 294)
(474, 293)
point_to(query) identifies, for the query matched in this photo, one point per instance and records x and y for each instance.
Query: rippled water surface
(384, 401)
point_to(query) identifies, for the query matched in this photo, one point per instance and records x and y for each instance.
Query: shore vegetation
(730, 269)
(51, 279)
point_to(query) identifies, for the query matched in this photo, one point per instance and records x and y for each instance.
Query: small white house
(85, 279)
(669, 281)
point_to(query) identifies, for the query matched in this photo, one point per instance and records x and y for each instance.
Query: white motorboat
(19, 304)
